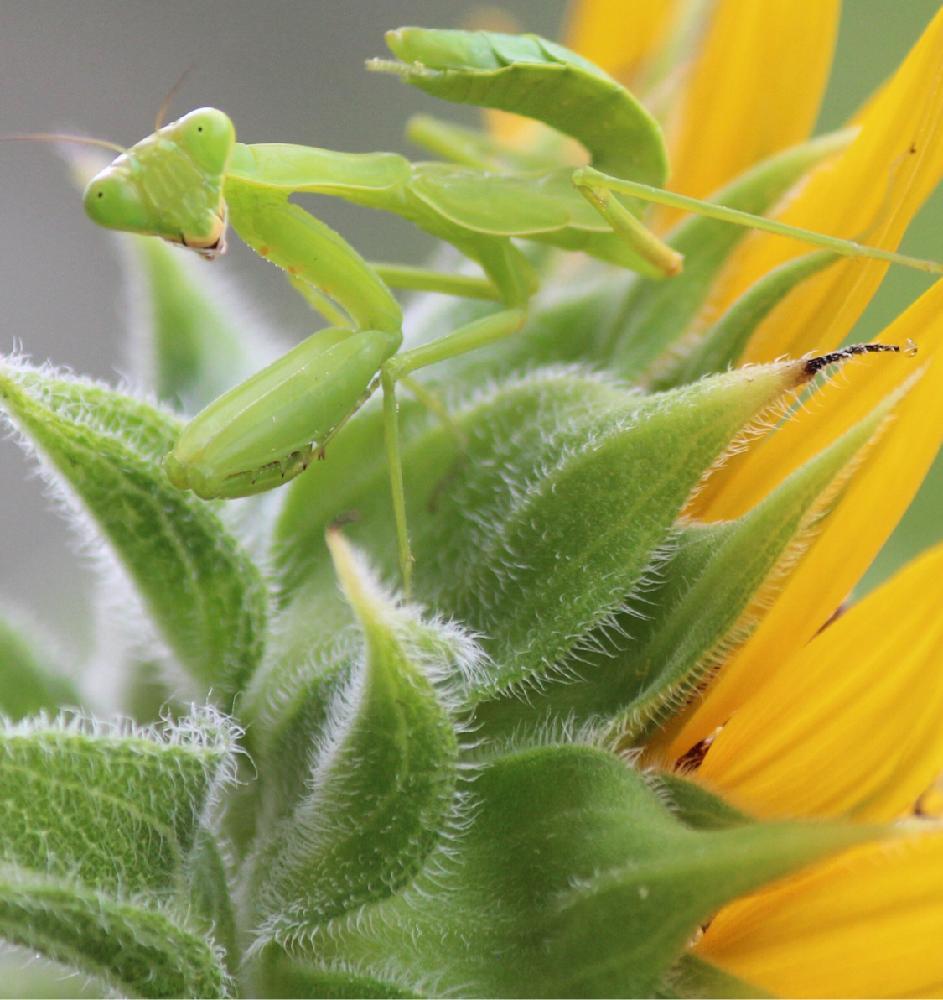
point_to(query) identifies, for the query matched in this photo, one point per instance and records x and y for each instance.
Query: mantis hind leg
(662, 260)
(466, 338)
(597, 188)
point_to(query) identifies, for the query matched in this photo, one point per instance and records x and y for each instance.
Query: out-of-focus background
(287, 70)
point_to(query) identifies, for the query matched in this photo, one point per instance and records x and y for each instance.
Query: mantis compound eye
(113, 200)
(207, 135)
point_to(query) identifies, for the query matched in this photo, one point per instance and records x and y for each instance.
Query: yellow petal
(851, 723)
(869, 192)
(749, 475)
(868, 923)
(855, 531)
(754, 89)
(617, 36)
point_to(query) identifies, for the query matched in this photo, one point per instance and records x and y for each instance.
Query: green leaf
(136, 950)
(701, 600)
(655, 314)
(381, 771)
(277, 974)
(693, 804)
(194, 335)
(209, 897)
(566, 488)
(204, 593)
(718, 605)
(117, 808)
(571, 487)
(572, 880)
(30, 680)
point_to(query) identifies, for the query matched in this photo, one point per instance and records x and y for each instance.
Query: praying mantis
(191, 179)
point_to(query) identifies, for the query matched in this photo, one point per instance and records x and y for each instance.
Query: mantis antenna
(84, 140)
(169, 96)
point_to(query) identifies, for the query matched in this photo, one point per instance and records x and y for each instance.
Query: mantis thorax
(170, 184)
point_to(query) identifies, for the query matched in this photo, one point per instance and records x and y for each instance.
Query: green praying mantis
(191, 179)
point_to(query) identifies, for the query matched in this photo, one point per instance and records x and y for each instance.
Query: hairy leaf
(115, 808)
(564, 489)
(205, 594)
(209, 895)
(572, 880)
(380, 778)
(706, 595)
(277, 974)
(136, 950)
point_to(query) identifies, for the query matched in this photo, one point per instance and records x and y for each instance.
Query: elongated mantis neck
(588, 180)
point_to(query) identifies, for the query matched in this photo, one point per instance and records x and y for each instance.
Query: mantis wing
(504, 205)
(545, 208)
(531, 76)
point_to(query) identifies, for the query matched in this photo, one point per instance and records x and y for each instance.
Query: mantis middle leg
(467, 338)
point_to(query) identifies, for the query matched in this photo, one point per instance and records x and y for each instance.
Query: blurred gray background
(285, 70)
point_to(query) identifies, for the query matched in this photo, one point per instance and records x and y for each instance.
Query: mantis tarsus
(190, 178)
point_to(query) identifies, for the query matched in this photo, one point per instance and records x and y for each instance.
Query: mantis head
(170, 184)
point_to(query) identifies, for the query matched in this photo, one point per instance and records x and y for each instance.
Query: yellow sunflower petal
(868, 192)
(851, 723)
(618, 36)
(867, 924)
(755, 88)
(750, 474)
(853, 534)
